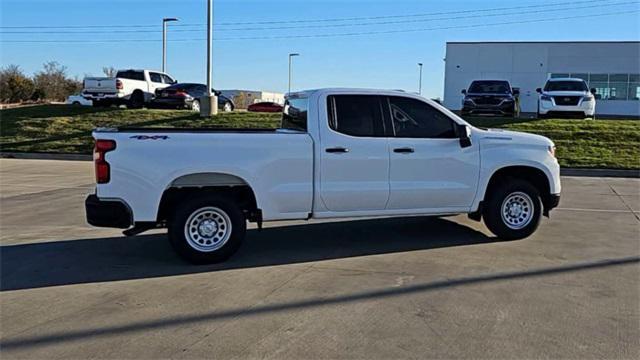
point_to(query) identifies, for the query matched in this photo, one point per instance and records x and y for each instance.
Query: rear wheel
(136, 101)
(207, 229)
(228, 107)
(513, 209)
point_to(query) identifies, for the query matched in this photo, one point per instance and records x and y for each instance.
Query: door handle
(337, 150)
(406, 150)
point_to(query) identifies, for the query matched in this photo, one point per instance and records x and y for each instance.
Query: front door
(354, 159)
(429, 169)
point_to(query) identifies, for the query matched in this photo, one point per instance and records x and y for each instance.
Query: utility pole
(164, 41)
(209, 105)
(291, 56)
(420, 80)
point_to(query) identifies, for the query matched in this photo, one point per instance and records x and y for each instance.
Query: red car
(265, 107)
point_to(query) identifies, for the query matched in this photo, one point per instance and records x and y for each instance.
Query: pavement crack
(637, 215)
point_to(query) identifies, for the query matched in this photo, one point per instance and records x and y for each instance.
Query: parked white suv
(566, 96)
(133, 88)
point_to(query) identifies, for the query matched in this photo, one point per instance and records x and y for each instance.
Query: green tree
(14, 85)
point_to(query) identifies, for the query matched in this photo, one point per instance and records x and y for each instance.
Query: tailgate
(100, 85)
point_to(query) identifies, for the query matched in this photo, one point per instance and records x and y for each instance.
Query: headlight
(587, 98)
(545, 98)
(468, 100)
(552, 150)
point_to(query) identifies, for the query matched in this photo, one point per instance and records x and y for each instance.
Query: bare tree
(14, 85)
(109, 71)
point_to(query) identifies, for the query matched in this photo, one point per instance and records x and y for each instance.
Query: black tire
(136, 101)
(76, 103)
(518, 192)
(99, 103)
(227, 107)
(200, 205)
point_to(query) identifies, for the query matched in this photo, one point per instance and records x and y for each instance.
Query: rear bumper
(107, 213)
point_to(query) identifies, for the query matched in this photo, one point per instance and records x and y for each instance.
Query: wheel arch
(194, 184)
(534, 175)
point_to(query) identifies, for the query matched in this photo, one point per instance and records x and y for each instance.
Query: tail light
(119, 84)
(181, 93)
(103, 171)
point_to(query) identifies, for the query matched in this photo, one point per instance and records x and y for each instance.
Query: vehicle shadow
(80, 261)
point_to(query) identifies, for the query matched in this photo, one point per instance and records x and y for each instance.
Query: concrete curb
(45, 156)
(619, 173)
(564, 171)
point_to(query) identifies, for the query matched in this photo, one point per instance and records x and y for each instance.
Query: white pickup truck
(339, 153)
(133, 88)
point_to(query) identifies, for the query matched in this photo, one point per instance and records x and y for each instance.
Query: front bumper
(107, 213)
(506, 108)
(173, 103)
(548, 107)
(550, 202)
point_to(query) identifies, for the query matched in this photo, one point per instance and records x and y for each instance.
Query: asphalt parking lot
(374, 288)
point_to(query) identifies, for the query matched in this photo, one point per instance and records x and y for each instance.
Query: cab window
(413, 118)
(155, 77)
(356, 115)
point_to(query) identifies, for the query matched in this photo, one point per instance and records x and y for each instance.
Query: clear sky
(370, 60)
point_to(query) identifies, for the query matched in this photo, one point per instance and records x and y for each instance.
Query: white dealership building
(611, 67)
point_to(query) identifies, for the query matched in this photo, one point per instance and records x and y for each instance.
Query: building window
(609, 86)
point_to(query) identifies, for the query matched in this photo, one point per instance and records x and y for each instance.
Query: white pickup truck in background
(339, 153)
(133, 88)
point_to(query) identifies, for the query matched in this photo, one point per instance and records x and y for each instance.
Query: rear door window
(356, 115)
(294, 114)
(416, 119)
(131, 74)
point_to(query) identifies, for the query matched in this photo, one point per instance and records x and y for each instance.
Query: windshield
(565, 86)
(294, 114)
(490, 87)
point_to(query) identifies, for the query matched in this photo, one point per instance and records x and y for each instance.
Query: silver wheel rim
(195, 106)
(517, 210)
(227, 107)
(207, 229)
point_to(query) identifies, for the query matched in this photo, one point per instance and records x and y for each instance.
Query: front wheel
(513, 209)
(207, 229)
(195, 106)
(228, 107)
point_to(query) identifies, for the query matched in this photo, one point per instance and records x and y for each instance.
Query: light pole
(164, 41)
(420, 80)
(209, 102)
(290, 56)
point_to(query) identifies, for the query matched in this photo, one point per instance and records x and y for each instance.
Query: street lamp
(290, 56)
(420, 80)
(209, 101)
(164, 41)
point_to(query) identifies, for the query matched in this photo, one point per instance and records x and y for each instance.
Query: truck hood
(515, 137)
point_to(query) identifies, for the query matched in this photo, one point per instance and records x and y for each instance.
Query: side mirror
(539, 90)
(464, 91)
(593, 91)
(516, 91)
(464, 134)
(175, 82)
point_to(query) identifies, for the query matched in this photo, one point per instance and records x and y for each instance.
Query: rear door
(354, 159)
(429, 169)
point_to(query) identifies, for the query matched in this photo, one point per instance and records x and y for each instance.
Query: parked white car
(339, 153)
(78, 100)
(133, 88)
(565, 97)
